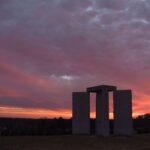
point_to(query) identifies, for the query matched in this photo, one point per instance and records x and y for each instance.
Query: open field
(69, 142)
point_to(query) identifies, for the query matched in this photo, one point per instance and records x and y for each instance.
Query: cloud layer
(50, 48)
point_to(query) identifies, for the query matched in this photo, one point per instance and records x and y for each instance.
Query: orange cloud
(45, 113)
(32, 113)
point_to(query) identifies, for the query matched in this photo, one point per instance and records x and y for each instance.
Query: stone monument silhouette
(122, 111)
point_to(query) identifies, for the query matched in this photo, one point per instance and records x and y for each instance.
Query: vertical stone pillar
(102, 112)
(123, 112)
(81, 113)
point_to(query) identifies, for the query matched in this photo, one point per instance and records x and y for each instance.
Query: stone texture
(102, 107)
(102, 113)
(99, 88)
(81, 113)
(123, 112)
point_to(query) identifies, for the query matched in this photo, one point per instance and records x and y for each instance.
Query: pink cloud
(50, 49)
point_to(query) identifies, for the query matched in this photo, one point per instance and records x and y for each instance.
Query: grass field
(69, 142)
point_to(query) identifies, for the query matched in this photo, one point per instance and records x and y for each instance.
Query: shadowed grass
(137, 142)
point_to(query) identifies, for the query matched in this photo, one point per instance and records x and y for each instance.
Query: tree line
(58, 126)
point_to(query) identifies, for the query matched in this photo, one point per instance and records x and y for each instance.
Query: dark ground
(69, 142)
(55, 134)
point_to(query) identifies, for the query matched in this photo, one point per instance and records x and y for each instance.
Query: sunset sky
(50, 48)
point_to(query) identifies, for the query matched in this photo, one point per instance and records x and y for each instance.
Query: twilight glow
(50, 48)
